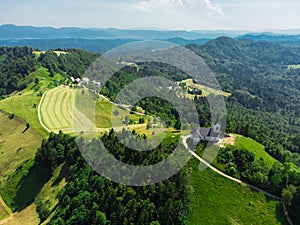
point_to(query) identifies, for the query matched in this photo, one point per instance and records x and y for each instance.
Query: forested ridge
(16, 63)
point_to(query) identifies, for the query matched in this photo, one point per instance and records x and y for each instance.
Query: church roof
(203, 132)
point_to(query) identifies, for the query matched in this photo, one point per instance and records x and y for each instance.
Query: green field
(16, 145)
(205, 90)
(249, 144)
(45, 81)
(4, 211)
(24, 104)
(57, 112)
(48, 194)
(217, 200)
(296, 66)
(23, 107)
(17, 149)
(57, 109)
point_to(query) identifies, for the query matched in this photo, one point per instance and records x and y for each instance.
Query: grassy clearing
(44, 80)
(16, 145)
(17, 149)
(48, 194)
(296, 66)
(249, 144)
(58, 53)
(206, 90)
(23, 107)
(217, 200)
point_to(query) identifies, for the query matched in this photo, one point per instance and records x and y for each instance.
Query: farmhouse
(96, 84)
(85, 80)
(206, 134)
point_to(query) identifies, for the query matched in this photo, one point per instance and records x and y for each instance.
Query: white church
(206, 134)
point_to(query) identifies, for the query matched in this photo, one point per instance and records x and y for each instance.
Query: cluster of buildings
(85, 81)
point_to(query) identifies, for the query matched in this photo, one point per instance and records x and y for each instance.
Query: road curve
(39, 114)
(184, 142)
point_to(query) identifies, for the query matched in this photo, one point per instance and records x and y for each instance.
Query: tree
(177, 125)
(287, 195)
(100, 218)
(148, 125)
(243, 159)
(126, 120)
(294, 208)
(141, 120)
(11, 116)
(116, 113)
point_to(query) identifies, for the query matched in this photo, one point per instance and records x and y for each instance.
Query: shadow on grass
(63, 174)
(26, 129)
(29, 187)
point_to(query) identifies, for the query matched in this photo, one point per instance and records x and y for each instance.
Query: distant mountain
(22, 32)
(102, 40)
(283, 39)
(93, 45)
(181, 41)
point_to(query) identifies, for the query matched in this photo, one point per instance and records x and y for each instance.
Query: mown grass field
(57, 112)
(16, 145)
(57, 109)
(251, 145)
(205, 90)
(4, 211)
(216, 200)
(17, 150)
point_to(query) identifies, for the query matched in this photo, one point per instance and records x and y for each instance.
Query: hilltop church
(206, 134)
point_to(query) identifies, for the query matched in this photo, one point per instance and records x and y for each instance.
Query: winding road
(184, 142)
(39, 114)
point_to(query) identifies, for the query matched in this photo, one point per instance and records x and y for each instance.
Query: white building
(96, 84)
(85, 80)
(206, 134)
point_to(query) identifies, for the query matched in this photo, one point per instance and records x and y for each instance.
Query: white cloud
(214, 7)
(152, 5)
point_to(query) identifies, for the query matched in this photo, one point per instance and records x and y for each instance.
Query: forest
(89, 198)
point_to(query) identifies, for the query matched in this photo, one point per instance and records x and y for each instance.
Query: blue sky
(165, 14)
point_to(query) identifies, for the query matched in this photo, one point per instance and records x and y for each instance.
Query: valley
(45, 180)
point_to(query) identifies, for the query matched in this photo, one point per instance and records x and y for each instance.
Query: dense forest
(89, 198)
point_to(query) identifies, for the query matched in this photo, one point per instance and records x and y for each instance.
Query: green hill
(217, 200)
(242, 142)
(18, 146)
